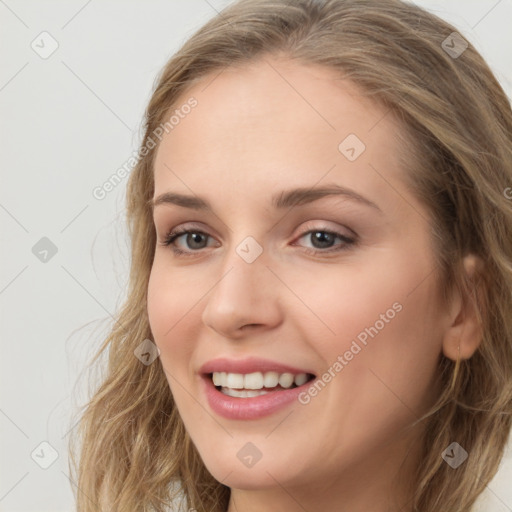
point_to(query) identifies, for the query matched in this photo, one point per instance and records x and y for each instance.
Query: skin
(264, 127)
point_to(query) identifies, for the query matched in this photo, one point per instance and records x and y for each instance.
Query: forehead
(275, 123)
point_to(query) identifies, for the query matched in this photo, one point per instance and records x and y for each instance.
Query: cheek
(173, 296)
(171, 300)
(384, 325)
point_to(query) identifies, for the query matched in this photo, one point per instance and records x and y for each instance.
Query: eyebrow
(284, 199)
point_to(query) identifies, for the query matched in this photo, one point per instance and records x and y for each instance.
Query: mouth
(251, 388)
(250, 385)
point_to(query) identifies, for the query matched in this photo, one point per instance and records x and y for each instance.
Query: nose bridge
(246, 255)
(243, 268)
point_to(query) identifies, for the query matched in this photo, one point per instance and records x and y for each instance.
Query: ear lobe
(464, 333)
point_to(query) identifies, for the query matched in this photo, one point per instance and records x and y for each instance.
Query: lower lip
(236, 408)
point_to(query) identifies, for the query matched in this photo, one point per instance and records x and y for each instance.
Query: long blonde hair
(134, 452)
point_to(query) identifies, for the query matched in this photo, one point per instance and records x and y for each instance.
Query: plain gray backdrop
(74, 82)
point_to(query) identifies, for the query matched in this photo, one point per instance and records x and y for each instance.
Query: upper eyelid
(191, 226)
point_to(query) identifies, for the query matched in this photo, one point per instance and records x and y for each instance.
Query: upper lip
(248, 365)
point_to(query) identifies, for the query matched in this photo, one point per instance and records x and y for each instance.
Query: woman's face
(339, 286)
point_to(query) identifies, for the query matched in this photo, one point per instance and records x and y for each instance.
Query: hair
(135, 452)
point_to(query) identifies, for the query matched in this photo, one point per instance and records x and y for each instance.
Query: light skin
(263, 128)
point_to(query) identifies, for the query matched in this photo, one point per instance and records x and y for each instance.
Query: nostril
(249, 325)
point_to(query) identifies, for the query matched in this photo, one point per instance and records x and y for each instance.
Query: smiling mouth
(254, 384)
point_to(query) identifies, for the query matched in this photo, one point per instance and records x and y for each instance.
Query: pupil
(321, 236)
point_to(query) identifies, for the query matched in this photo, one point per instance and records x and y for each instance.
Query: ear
(464, 333)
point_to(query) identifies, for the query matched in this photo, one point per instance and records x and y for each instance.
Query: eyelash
(173, 235)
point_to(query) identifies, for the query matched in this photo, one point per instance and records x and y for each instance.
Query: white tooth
(286, 380)
(244, 393)
(271, 379)
(231, 392)
(235, 380)
(256, 392)
(301, 378)
(253, 380)
(257, 380)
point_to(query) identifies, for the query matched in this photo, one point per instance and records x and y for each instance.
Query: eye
(322, 240)
(194, 237)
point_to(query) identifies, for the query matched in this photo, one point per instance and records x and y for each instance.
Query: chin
(239, 477)
(226, 464)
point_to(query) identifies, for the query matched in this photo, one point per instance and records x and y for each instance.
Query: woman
(341, 337)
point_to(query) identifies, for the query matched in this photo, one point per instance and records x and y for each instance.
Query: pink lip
(248, 408)
(235, 408)
(248, 365)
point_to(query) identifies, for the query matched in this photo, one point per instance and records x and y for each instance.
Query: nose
(245, 297)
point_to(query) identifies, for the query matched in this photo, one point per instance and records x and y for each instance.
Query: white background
(68, 123)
